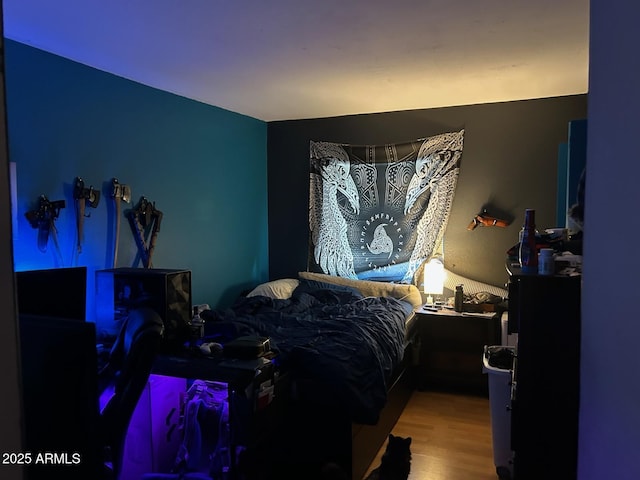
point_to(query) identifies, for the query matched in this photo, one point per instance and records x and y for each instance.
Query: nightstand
(452, 345)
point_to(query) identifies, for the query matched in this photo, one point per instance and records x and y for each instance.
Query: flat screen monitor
(55, 292)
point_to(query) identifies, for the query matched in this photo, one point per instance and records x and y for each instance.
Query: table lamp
(434, 276)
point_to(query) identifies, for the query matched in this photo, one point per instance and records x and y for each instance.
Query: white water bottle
(546, 262)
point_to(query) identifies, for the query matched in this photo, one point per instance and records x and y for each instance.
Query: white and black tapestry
(378, 212)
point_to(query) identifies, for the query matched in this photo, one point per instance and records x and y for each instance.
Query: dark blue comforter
(344, 344)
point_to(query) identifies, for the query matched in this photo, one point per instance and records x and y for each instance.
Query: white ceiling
(294, 59)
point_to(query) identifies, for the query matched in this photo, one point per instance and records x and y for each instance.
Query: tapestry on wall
(378, 212)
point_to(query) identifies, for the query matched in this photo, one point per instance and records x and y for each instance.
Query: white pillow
(281, 289)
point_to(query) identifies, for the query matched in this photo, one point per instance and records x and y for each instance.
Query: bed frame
(313, 433)
(313, 428)
(366, 440)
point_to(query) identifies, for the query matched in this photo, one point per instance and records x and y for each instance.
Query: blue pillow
(311, 285)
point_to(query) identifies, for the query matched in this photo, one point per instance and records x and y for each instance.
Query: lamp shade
(434, 276)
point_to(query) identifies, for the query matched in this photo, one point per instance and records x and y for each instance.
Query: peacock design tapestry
(378, 212)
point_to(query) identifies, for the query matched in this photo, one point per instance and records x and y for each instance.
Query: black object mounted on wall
(83, 197)
(483, 219)
(120, 193)
(43, 218)
(145, 221)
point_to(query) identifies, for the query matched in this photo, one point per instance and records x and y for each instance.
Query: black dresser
(545, 312)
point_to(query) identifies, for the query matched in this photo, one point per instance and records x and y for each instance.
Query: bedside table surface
(449, 312)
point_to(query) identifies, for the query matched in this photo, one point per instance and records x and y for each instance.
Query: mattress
(317, 330)
(408, 294)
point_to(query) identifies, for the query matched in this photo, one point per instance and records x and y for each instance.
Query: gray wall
(509, 162)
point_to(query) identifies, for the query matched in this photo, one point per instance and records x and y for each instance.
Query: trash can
(497, 363)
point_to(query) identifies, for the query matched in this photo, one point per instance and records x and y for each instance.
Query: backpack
(206, 440)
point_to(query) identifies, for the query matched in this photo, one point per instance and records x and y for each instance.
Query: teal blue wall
(204, 167)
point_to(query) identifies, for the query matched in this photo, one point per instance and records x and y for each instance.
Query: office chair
(129, 366)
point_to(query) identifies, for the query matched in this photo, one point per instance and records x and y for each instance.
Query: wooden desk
(452, 345)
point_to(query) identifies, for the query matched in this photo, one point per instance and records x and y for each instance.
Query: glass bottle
(458, 303)
(197, 324)
(528, 255)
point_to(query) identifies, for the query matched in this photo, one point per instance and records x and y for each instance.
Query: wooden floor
(451, 437)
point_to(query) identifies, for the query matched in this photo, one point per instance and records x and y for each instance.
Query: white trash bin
(496, 364)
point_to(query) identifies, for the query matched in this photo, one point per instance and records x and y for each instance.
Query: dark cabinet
(545, 312)
(451, 350)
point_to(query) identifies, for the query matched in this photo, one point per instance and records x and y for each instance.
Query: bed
(348, 347)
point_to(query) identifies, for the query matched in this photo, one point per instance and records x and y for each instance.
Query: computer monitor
(59, 372)
(55, 292)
